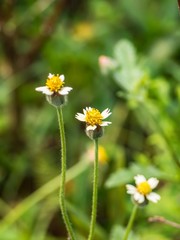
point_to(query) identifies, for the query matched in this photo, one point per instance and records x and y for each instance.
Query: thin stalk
(63, 175)
(161, 219)
(130, 223)
(95, 193)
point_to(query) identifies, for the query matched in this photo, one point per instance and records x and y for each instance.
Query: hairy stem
(95, 193)
(63, 175)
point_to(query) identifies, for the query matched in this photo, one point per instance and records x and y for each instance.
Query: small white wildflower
(94, 120)
(54, 85)
(143, 190)
(54, 90)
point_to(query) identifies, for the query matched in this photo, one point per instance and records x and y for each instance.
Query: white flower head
(142, 192)
(93, 117)
(54, 85)
(94, 120)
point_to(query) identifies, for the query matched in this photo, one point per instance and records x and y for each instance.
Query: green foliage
(129, 73)
(124, 176)
(118, 233)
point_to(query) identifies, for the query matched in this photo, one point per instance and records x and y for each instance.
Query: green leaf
(117, 233)
(148, 171)
(124, 176)
(128, 78)
(129, 73)
(119, 178)
(125, 53)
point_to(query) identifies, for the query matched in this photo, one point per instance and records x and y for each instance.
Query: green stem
(63, 175)
(95, 193)
(130, 223)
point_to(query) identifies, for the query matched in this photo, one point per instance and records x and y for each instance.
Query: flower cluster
(143, 193)
(56, 94)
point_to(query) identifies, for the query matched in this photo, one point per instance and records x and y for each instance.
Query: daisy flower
(93, 117)
(54, 85)
(143, 190)
(94, 121)
(56, 93)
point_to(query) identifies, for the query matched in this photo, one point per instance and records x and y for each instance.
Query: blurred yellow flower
(103, 157)
(83, 31)
(102, 154)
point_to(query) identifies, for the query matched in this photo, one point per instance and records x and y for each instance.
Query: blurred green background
(141, 87)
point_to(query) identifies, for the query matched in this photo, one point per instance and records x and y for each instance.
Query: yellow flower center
(144, 188)
(55, 83)
(93, 117)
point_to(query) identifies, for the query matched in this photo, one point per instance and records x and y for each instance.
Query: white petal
(106, 113)
(84, 111)
(64, 90)
(153, 182)
(80, 117)
(131, 189)
(103, 124)
(62, 78)
(153, 197)
(139, 179)
(40, 89)
(48, 92)
(44, 90)
(88, 108)
(91, 127)
(50, 75)
(139, 197)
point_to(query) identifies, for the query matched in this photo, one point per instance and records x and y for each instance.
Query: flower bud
(96, 133)
(56, 100)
